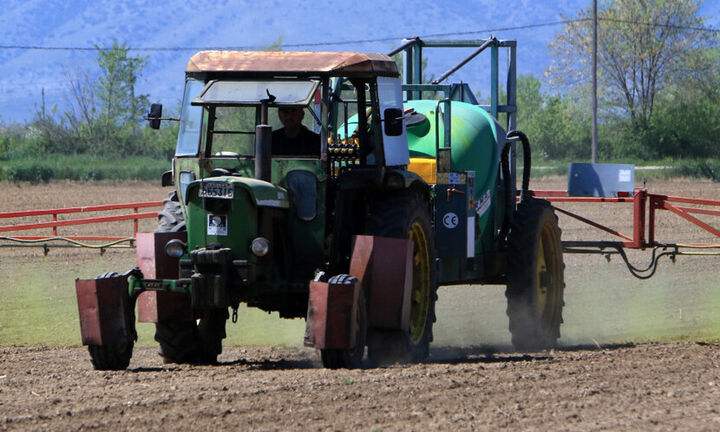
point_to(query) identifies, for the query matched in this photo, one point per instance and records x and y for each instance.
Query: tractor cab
(230, 94)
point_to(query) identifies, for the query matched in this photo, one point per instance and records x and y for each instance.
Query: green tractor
(354, 229)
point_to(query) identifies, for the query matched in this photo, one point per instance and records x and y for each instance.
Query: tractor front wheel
(178, 341)
(535, 277)
(188, 341)
(111, 357)
(211, 332)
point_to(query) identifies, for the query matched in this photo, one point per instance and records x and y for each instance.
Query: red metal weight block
(158, 306)
(151, 257)
(104, 308)
(384, 266)
(331, 315)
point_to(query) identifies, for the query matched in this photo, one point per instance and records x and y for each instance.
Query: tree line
(659, 95)
(105, 116)
(658, 85)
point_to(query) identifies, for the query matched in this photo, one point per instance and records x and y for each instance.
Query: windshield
(225, 114)
(252, 92)
(232, 131)
(190, 119)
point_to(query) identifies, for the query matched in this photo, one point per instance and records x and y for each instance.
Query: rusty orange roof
(330, 63)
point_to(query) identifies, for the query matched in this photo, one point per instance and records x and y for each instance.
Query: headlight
(175, 248)
(260, 246)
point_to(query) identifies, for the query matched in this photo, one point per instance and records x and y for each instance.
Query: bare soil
(635, 355)
(644, 387)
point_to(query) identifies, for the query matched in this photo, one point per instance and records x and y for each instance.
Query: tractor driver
(294, 139)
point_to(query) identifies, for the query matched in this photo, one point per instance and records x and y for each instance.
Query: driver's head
(291, 117)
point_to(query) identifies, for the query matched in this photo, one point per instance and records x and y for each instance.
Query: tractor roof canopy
(293, 63)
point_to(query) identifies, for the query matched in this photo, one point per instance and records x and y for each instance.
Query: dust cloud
(604, 304)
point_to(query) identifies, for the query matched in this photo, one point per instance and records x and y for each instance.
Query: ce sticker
(450, 220)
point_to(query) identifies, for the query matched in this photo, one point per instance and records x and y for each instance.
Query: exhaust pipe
(263, 152)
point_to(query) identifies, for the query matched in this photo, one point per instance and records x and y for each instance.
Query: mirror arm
(161, 118)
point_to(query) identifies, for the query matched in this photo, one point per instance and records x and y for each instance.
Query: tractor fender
(397, 178)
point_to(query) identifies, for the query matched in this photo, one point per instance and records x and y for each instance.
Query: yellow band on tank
(425, 168)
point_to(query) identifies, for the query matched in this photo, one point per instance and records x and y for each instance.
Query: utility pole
(594, 87)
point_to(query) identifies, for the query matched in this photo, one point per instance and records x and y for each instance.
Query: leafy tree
(642, 45)
(120, 110)
(558, 128)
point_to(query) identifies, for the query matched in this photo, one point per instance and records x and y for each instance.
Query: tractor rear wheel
(535, 280)
(349, 358)
(116, 356)
(171, 218)
(404, 214)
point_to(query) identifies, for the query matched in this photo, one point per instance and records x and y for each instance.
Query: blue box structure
(600, 180)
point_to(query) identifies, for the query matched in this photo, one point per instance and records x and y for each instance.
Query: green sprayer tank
(474, 141)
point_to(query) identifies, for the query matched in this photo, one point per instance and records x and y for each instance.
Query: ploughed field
(634, 354)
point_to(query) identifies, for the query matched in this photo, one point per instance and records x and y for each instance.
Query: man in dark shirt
(294, 139)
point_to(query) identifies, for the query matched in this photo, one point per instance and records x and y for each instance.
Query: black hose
(505, 165)
(509, 198)
(526, 162)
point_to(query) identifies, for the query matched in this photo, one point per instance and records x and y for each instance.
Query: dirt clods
(622, 387)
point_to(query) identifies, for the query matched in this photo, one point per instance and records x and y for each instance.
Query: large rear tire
(535, 277)
(404, 214)
(116, 356)
(171, 218)
(349, 358)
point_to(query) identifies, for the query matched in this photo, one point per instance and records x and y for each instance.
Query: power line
(359, 41)
(296, 45)
(674, 26)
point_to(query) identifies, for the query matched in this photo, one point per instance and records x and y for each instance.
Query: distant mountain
(243, 24)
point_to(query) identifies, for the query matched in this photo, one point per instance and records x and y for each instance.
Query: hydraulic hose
(505, 166)
(507, 183)
(526, 162)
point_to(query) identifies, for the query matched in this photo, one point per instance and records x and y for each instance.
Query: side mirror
(154, 115)
(167, 177)
(393, 118)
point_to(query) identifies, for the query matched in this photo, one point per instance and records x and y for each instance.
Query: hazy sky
(302, 25)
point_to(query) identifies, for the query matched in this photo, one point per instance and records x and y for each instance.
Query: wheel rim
(547, 272)
(420, 295)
